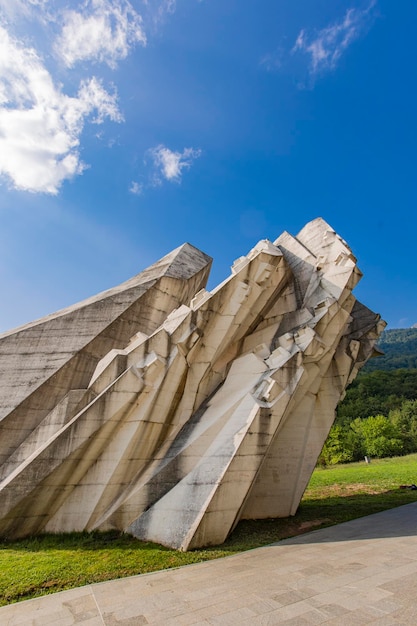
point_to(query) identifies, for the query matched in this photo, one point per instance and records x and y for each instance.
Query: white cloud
(11, 7)
(40, 126)
(11, 10)
(171, 164)
(136, 188)
(103, 31)
(327, 46)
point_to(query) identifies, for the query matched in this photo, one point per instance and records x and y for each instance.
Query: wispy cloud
(42, 120)
(326, 46)
(273, 60)
(158, 10)
(102, 31)
(13, 7)
(170, 164)
(167, 6)
(136, 188)
(40, 126)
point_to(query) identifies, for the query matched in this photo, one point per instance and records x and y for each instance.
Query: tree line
(377, 418)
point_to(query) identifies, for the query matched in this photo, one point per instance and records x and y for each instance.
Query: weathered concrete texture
(214, 411)
(43, 361)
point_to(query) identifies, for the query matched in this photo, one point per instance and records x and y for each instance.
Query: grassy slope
(41, 565)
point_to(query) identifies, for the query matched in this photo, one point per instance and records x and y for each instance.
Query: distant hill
(377, 393)
(385, 391)
(386, 381)
(400, 351)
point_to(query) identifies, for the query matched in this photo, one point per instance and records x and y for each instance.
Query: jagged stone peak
(182, 262)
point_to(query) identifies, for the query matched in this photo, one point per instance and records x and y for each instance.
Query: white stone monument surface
(170, 412)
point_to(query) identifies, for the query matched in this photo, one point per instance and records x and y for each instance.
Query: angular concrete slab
(44, 360)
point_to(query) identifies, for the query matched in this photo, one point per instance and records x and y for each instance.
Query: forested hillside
(378, 416)
(400, 350)
(378, 393)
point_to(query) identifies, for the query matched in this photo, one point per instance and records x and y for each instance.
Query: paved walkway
(360, 572)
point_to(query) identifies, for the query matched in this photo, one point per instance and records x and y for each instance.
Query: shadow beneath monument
(360, 516)
(397, 522)
(93, 541)
(339, 518)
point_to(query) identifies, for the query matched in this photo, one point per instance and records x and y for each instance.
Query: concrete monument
(170, 412)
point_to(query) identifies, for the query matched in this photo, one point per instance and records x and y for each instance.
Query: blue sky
(127, 128)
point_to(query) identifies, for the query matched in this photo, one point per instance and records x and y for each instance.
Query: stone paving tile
(289, 597)
(138, 620)
(353, 618)
(334, 597)
(217, 613)
(407, 614)
(295, 621)
(374, 611)
(312, 618)
(226, 596)
(289, 611)
(280, 617)
(176, 622)
(388, 605)
(231, 618)
(387, 620)
(332, 610)
(184, 619)
(76, 606)
(260, 607)
(401, 586)
(371, 597)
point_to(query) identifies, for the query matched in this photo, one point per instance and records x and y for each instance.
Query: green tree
(381, 437)
(337, 448)
(405, 420)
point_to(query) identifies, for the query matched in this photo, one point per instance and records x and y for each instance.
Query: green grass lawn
(40, 565)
